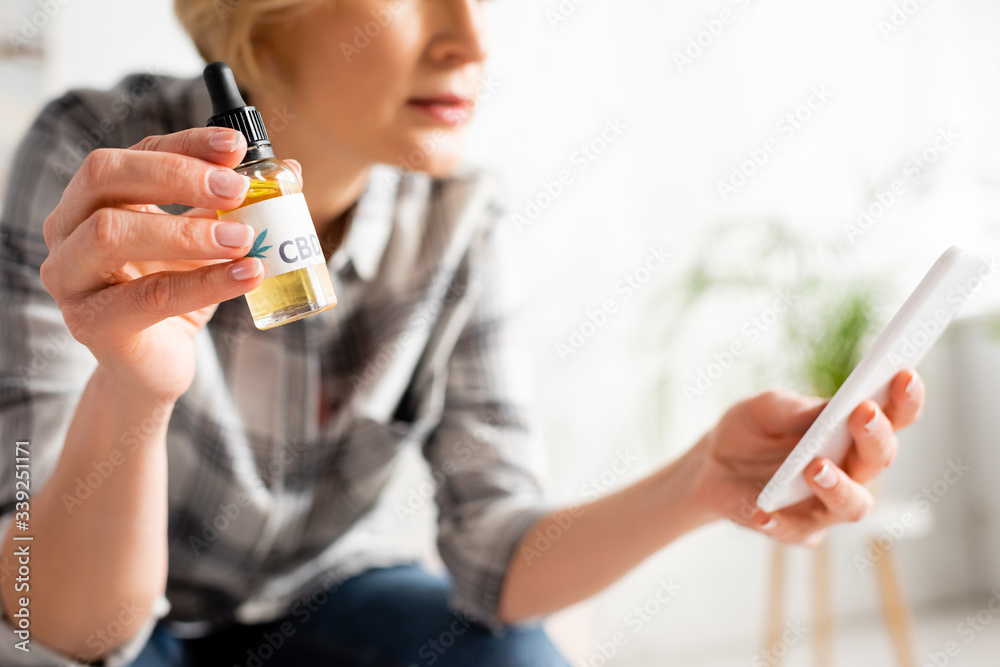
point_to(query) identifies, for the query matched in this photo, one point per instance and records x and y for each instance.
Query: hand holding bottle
(135, 284)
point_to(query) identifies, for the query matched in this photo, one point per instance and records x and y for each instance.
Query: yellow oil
(290, 296)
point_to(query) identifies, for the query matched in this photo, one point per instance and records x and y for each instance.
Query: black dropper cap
(230, 110)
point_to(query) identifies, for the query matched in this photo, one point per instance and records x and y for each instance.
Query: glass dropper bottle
(297, 281)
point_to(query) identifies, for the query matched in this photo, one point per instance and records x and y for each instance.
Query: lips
(446, 109)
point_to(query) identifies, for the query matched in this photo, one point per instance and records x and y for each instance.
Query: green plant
(995, 329)
(831, 346)
(812, 348)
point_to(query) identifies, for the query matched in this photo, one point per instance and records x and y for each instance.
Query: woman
(205, 482)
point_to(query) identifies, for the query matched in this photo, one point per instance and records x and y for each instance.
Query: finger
(127, 308)
(781, 413)
(110, 177)
(297, 168)
(813, 540)
(843, 498)
(875, 443)
(113, 236)
(795, 533)
(838, 499)
(223, 146)
(197, 212)
(804, 529)
(906, 399)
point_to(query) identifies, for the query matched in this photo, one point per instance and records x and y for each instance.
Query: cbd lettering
(300, 248)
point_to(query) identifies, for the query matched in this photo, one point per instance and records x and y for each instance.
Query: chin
(436, 153)
(443, 167)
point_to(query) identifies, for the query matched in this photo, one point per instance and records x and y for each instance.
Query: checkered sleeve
(43, 369)
(486, 448)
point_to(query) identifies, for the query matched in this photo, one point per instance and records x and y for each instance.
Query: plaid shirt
(286, 439)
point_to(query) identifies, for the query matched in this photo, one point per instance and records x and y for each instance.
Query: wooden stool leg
(822, 634)
(776, 603)
(894, 608)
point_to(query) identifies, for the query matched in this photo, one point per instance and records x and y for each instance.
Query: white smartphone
(955, 278)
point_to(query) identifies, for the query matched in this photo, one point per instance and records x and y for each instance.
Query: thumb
(782, 412)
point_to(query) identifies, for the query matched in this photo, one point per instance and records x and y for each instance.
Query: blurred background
(693, 165)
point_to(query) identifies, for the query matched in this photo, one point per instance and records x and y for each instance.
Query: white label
(284, 237)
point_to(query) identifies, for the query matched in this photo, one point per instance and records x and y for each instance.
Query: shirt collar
(370, 223)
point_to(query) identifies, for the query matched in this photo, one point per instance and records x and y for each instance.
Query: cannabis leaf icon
(257, 250)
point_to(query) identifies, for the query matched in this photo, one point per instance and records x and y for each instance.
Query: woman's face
(386, 81)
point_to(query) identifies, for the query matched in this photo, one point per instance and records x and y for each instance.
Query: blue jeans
(388, 617)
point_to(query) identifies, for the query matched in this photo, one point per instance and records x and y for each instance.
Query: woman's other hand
(752, 439)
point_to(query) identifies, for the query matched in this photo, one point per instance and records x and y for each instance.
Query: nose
(458, 33)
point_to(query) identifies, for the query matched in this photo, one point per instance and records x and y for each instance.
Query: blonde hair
(224, 30)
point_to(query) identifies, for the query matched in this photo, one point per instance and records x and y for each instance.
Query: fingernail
(911, 388)
(872, 424)
(772, 523)
(245, 270)
(826, 478)
(224, 142)
(233, 234)
(227, 183)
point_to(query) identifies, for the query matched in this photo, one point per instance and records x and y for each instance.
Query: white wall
(94, 44)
